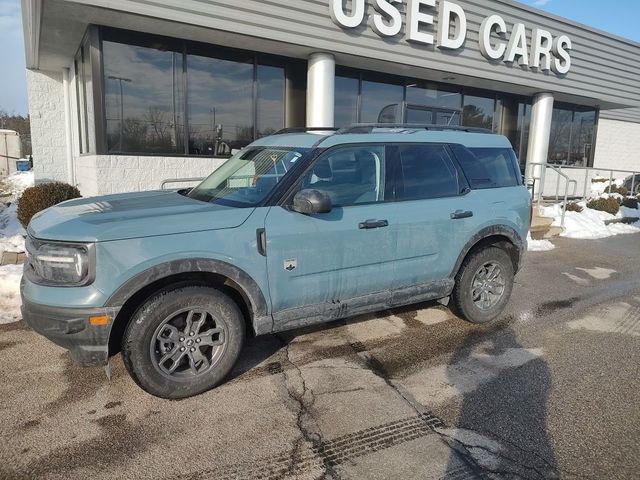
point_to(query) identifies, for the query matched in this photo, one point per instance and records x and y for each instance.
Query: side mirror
(311, 201)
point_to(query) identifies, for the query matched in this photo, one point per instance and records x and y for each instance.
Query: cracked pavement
(550, 391)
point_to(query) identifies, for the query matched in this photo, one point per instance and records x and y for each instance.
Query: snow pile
(11, 232)
(598, 187)
(16, 183)
(629, 212)
(10, 301)
(539, 245)
(589, 224)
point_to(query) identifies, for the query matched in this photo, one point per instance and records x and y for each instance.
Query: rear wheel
(483, 285)
(183, 342)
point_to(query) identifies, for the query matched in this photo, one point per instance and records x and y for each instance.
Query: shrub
(38, 198)
(609, 205)
(630, 202)
(599, 180)
(624, 191)
(574, 207)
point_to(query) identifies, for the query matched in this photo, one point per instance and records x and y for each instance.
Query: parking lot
(552, 390)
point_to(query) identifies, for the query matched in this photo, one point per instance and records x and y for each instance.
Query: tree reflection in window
(144, 99)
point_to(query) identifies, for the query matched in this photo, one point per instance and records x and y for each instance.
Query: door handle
(370, 224)
(458, 214)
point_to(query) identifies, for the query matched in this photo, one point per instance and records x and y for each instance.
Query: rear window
(488, 167)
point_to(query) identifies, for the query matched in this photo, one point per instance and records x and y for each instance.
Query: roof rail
(305, 130)
(369, 127)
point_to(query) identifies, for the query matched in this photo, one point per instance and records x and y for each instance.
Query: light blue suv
(296, 229)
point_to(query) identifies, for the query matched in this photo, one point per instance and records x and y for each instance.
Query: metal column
(540, 131)
(320, 90)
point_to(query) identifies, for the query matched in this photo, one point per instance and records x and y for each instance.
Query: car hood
(132, 215)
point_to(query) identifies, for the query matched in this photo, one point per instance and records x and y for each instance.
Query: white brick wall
(105, 174)
(46, 107)
(618, 145)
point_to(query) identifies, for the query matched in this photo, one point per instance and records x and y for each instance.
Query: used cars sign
(496, 40)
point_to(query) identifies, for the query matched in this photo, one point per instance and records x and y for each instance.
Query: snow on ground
(10, 276)
(11, 240)
(539, 245)
(11, 232)
(589, 224)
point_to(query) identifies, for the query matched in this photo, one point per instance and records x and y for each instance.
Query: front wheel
(483, 285)
(183, 342)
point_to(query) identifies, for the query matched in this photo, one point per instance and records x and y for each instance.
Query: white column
(539, 134)
(320, 90)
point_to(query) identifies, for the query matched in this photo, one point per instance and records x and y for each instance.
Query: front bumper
(70, 328)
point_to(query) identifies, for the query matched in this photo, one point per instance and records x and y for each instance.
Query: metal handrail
(164, 183)
(568, 181)
(610, 171)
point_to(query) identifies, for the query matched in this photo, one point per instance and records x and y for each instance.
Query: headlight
(59, 264)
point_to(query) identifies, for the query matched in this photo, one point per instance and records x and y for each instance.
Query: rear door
(433, 213)
(319, 262)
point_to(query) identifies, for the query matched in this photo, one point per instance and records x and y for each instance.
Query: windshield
(247, 178)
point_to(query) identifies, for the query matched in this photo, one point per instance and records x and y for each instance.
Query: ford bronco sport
(298, 228)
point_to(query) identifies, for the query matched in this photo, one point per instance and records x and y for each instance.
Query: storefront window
(166, 96)
(381, 102)
(478, 111)
(560, 137)
(270, 108)
(220, 103)
(346, 101)
(432, 104)
(144, 99)
(584, 124)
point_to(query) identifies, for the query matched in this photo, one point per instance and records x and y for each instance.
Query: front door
(317, 264)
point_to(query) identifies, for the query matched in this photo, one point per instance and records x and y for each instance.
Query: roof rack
(305, 130)
(369, 127)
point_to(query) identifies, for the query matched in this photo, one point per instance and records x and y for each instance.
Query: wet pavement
(552, 390)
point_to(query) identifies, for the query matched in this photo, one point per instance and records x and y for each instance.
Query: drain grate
(275, 368)
(358, 347)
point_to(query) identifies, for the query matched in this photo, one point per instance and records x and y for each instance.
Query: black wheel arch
(502, 236)
(232, 280)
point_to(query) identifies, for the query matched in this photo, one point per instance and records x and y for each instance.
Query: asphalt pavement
(552, 390)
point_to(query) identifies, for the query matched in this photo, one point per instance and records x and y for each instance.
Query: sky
(616, 16)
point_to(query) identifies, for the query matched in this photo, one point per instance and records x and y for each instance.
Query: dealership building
(124, 94)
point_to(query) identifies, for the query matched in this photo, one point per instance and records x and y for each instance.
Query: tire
(158, 340)
(474, 275)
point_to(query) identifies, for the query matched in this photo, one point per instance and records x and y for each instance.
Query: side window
(427, 172)
(488, 167)
(350, 175)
